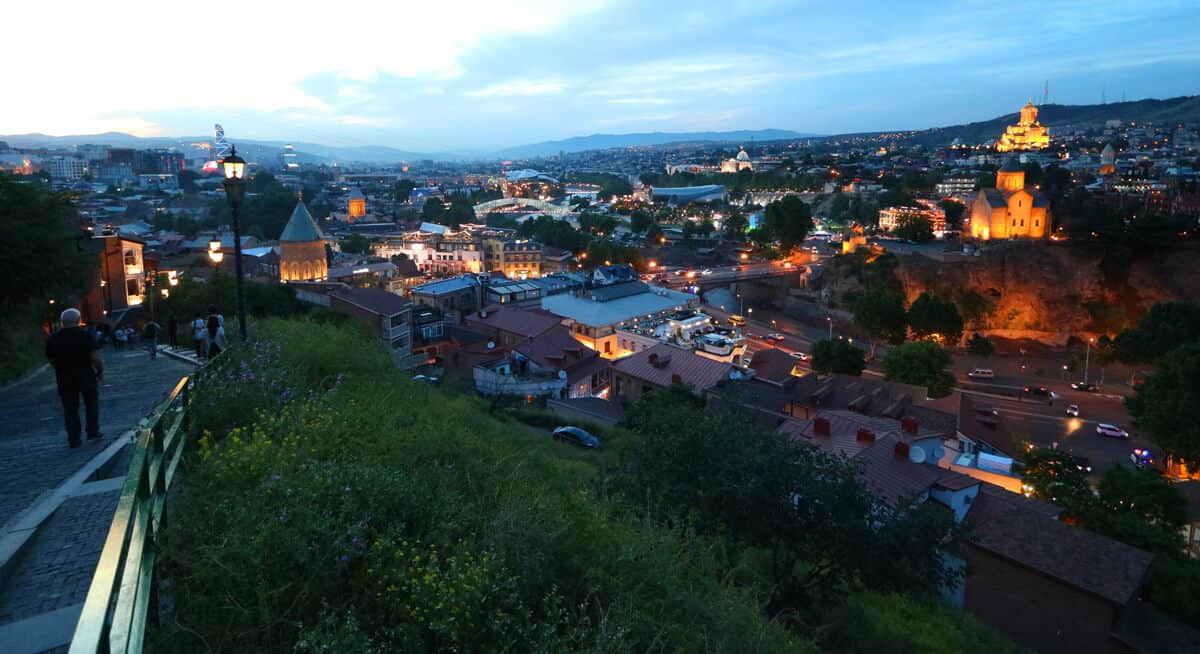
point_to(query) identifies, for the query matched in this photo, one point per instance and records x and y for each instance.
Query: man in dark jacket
(78, 370)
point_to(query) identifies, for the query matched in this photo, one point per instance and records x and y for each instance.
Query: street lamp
(829, 319)
(1086, 359)
(235, 191)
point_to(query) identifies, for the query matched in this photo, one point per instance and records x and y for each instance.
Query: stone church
(1011, 209)
(302, 249)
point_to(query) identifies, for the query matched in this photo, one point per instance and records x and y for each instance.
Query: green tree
(433, 210)
(689, 229)
(1165, 404)
(921, 363)
(402, 189)
(881, 314)
(1145, 494)
(187, 181)
(980, 345)
(837, 356)
(788, 220)
(705, 227)
(735, 225)
(931, 316)
(954, 212)
(640, 220)
(1052, 475)
(460, 212)
(355, 244)
(654, 233)
(1165, 326)
(914, 228)
(759, 236)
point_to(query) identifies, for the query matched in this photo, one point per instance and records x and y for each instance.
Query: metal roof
(301, 228)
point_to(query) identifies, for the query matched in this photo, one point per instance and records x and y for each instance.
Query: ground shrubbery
(330, 504)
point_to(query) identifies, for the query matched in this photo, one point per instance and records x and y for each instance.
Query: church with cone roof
(302, 249)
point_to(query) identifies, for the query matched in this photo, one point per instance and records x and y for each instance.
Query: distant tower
(1108, 163)
(356, 206)
(302, 249)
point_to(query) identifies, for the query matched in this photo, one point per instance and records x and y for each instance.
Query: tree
(788, 220)
(640, 220)
(187, 181)
(1165, 404)
(433, 210)
(914, 228)
(837, 356)
(1051, 475)
(1165, 326)
(705, 227)
(44, 240)
(735, 225)
(881, 314)
(931, 316)
(654, 233)
(355, 244)
(954, 212)
(402, 189)
(1145, 494)
(921, 363)
(689, 229)
(980, 345)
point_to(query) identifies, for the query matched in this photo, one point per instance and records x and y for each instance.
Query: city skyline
(489, 76)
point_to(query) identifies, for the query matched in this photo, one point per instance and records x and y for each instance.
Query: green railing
(119, 600)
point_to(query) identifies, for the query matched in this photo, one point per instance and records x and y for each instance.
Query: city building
(65, 168)
(1027, 134)
(356, 204)
(1011, 209)
(892, 217)
(956, 186)
(388, 314)
(452, 297)
(120, 279)
(440, 253)
(663, 366)
(686, 194)
(737, 164)
(508, 327)
(515, 258)
(594, 314)
(302, 249)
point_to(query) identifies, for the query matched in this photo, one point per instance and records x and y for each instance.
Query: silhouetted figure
(78, 370)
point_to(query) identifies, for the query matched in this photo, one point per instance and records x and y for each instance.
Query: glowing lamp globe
(234, 168)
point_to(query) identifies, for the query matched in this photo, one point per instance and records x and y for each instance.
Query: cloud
(641, 101)
(518, 88)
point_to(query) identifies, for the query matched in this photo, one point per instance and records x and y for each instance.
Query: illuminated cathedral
(1027, 134)
(1011, 209)
(302, 249)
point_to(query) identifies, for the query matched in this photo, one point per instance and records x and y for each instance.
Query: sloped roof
(1009, 527)
(995, 197)
(523, 323)
(773, 365)
(702, 373)
(979, 424)
(554, 348)
(301, 228)
(1011, 166)
(375, 300)
(893, 478)
(356, 193)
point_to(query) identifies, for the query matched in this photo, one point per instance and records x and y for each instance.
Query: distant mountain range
(1184, 109)
(605, 141)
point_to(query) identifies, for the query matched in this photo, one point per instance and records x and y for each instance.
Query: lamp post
(829, 319)
(1087, 356)
(234, 168)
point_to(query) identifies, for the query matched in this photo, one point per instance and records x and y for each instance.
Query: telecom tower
(220, 145)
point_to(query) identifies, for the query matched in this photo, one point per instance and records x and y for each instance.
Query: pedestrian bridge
(541, 206)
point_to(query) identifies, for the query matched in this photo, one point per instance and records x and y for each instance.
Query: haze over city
(478, 76)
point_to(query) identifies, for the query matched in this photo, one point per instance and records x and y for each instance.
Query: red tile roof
(773, 365)
(894, 478)
(555, 348)
(375, 300)
(525, 324)
(693, 369)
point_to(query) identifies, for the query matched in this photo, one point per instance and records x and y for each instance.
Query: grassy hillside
(331, 504)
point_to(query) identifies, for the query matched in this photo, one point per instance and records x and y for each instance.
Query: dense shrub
(331, 504)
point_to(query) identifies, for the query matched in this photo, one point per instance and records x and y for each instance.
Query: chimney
(902, 450)
(676, 379)
(820, 426)
(908, 425)
(653, 358)
(865, 436)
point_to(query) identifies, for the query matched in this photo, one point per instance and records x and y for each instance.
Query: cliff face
(1040, 289)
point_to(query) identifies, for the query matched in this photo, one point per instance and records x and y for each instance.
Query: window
(1022, 222)
(399, 319)
(1037, 223)
(133, 287)
(608, 347)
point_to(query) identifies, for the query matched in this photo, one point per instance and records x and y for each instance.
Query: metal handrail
(114, 616)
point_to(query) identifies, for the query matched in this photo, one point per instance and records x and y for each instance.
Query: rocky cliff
(1050, 290)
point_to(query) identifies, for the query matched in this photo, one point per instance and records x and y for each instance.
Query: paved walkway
(56, 503)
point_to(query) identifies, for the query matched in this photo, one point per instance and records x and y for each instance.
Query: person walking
(216, 336)
(150, 338)
(172, 331)
(120, 339)
(200, 336)
(78, 370)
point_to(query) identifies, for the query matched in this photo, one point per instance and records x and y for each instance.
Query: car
(1084, 386)
(736, 269)
(1082, 463)
(576, 436)
(706, 271)
(680, 271)
(775, 336)
(1141, 457)
(1112, 431)
(1039, 391)
(737, 321)
(1073, 410)
(427, 379)
(982, 373)
(800, 355)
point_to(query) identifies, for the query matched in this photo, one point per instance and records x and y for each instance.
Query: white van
(982, 373)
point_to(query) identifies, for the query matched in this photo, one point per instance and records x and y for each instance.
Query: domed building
(737, 164)
(1027, 134)
(1011, 209)
(302, 249)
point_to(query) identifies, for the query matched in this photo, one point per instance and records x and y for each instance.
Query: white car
(1112, 431)
(982, 373)
(706, 271)
(800, 355)
(1073, 410)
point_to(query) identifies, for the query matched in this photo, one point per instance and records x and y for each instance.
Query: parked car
(576, 436)
(737, 321)
(1112, 431)
(1082, 463)
(1073, 410)
(982, 373)
(1084, 386)
(427, 379)
(803, 356)
(775, 336)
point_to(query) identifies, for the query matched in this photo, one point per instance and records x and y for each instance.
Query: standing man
(78, 370)
(150, 338)
(172, 331)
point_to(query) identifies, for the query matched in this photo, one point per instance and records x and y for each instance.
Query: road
(725, 274)
(1032, 418)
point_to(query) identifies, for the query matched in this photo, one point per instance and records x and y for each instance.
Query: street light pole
(829, 319)
(1086, 359)
(235, 191)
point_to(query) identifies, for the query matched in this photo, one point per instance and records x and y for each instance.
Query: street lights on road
(234, 168)
(1087, 359)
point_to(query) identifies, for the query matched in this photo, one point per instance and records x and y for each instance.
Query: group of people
(78, 369)
(208, 334)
